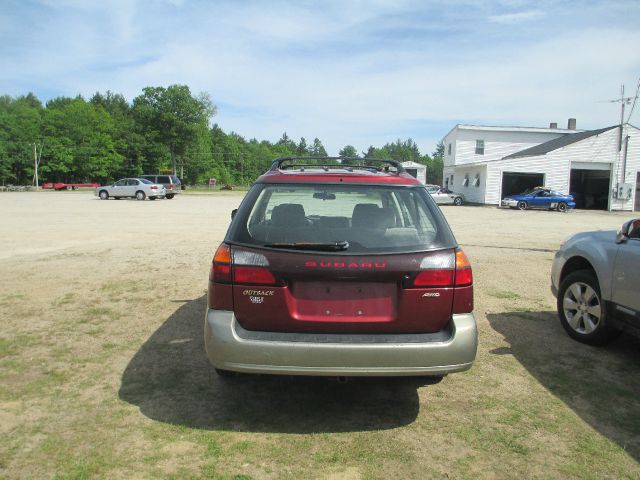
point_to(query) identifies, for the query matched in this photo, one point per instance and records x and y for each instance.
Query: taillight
(241, 267)
(221, 268)
(444, 270)
(153, 187)
(464, 274)
(250, 268)
(253, 276)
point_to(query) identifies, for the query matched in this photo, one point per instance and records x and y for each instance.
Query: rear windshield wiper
(328, 247)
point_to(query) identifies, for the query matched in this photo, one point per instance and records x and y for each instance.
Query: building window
(476, 180)
(479, 147)
(449, 149)
(465, 182)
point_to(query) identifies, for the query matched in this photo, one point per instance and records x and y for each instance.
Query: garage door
(515, 182)
(590, 188)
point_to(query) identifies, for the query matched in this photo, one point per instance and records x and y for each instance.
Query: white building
(601, 168)
(418, 170)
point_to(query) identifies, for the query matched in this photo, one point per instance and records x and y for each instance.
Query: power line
(635, 99)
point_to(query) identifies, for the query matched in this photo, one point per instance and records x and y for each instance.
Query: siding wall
(497, 144)
(472, 193)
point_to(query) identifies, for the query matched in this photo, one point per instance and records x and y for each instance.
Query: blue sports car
(539, 197)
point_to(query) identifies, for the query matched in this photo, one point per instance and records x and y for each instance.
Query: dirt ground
(103, 373)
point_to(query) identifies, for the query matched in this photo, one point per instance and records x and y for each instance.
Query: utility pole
(37, 155)
(623, 101)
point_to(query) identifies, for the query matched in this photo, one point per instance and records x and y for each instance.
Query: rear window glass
(163, 179)
(371, 218)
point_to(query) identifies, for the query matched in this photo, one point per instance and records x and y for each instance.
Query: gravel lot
(102, 372)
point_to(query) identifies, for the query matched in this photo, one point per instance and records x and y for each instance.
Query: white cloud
(519, 17)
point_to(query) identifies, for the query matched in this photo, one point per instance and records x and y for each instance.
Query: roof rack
(359, 163)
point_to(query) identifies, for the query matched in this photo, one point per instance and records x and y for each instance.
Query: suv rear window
(371, 218)
(163, 179)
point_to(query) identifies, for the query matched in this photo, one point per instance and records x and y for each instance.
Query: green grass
(505, 294)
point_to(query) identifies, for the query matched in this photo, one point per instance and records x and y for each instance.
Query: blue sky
(350, 72)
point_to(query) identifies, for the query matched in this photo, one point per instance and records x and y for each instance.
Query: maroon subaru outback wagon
(340, 267)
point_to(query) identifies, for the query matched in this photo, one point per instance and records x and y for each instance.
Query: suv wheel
(457, 201)
(140, 195)
(522, 205)
(169, 196)
(581, 310)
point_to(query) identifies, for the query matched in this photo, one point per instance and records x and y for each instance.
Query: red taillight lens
(221, 268)
(153, 187)
(434, 278)
(464, 274)
(253, 276)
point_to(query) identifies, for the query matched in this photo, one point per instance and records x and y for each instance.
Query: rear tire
(169, 196)
(562, 207)
(522, 205)
(140, 195)
(581, 310)
(104, 195)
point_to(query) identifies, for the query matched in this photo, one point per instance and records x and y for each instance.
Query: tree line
(107, 137)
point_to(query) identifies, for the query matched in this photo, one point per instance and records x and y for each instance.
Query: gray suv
(171, 183)
(596, 278)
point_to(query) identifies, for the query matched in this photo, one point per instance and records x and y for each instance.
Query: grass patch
(505, 294)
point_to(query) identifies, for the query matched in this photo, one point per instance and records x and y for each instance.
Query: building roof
(559, 142)
(490, 128)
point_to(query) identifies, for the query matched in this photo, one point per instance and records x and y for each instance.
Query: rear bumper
(230, 347)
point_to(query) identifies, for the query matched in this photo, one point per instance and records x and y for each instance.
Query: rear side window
(371, 218)
(175, 179)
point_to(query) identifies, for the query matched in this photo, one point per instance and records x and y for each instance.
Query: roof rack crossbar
(278, 163)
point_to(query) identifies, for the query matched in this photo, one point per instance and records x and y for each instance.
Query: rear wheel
(140, 195)
(104, 195)
(152, 198)
(562, 207)
(522, 205)
(581, 309)
(169, 196)
(457, 201)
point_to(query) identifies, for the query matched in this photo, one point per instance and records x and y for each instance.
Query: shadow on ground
(600, 384)
(171, 380)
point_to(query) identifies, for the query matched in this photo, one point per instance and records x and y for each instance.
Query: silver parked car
(444, 196)
(138, 188)
(596, 278)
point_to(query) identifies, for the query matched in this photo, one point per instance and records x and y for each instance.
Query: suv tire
(581, 309)
(169, 196)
